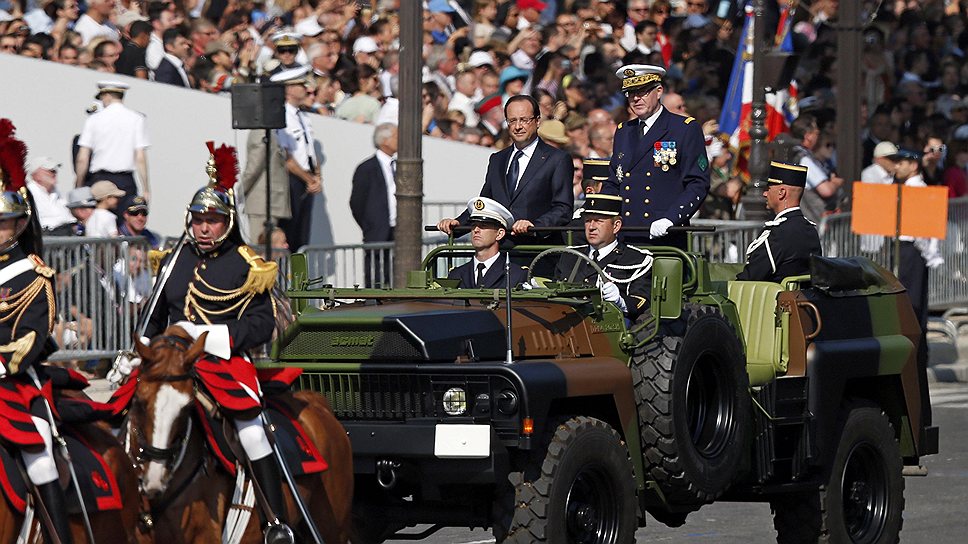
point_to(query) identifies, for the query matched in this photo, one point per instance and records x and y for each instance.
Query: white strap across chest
(15, 269)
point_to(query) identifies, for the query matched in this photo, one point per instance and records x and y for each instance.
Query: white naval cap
(111, 87)
(285, 37)
(482, 208)
(292, 76)
(637, 76)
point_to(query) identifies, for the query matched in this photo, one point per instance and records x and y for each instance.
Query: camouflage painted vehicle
(803, 394)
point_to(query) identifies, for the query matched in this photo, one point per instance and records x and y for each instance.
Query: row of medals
(664, 155)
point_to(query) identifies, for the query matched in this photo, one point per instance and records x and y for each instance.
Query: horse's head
(161, 409)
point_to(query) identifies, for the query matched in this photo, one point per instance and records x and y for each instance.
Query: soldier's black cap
(602, 205)
(595, 169)
(782, 173)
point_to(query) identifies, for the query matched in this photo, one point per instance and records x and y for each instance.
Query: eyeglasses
(520, 121)
(937, 149)
(143, 213)
(632, 95)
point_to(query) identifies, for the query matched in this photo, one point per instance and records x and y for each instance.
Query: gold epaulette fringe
(155, 258)
(262, 274)
(41, 268)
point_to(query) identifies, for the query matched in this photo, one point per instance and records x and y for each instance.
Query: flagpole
(754, 205)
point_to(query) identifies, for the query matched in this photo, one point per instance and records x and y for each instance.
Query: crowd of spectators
(478, 53)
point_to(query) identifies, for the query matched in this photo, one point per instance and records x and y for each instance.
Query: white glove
(190, 328)
(611, 293)
(122, 368)
(660, 227)
(935, 261)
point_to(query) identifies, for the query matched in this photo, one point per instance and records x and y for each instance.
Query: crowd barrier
(101, 284)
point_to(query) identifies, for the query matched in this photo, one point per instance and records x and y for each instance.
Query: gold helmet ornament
(14, 197)
(218, 196)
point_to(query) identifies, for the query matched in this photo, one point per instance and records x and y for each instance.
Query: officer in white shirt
(299, 141)
(114, 143)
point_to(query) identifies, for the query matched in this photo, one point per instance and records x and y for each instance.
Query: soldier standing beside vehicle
(625, 267)
(489, 222)
(26, 320)
(784, 247)
(659, 166)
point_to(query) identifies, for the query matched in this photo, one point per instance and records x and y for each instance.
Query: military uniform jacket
(783, 249)
(27, 310)
(662, 174)
(230, 285)
(493, 278)
(627, 266)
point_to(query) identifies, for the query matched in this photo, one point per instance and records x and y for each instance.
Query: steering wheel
(572, 276)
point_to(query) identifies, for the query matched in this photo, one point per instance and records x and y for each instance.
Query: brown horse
(190, 494)
(109, 526)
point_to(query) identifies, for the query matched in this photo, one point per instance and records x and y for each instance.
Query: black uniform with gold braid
(784, 247)
(625, 265)
(225, 290)
(27, 316)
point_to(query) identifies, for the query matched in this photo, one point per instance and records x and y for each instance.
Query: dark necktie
(480, 274)
(512, 178)
(595, 255)
(393, 168)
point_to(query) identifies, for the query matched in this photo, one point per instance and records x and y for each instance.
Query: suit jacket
(368, 201)
(544, 193)
(669, 182)
(493, 279)
(783, 249)
(622, 263)
(167, 73)
(254, 177)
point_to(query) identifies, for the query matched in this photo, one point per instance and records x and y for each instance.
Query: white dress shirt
(487, 265)
(113, 134)
(386, 164)
(876, 173)
(89, 29)
(154, 52)
(522, 162)
(51, 209)
(650, 120)
(298, 138)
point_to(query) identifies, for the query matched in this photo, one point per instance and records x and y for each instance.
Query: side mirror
(298, 278)
(666, 287)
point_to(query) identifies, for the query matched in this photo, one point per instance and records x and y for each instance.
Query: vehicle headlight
(507, 402)
(455, 401)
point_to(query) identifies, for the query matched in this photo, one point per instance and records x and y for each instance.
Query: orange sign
(924, 210)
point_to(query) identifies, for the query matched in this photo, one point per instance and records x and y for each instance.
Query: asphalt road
(936, 505)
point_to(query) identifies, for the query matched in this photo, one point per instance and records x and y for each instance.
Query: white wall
(46, 101)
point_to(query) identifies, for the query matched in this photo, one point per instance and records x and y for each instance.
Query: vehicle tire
(693, 403)
(863, 501)
(581, 491)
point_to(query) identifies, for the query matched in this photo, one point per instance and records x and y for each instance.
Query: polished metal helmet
(218, 196)
(14, 198)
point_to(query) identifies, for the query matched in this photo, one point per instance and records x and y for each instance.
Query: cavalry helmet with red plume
(218, 196)
(15, 200)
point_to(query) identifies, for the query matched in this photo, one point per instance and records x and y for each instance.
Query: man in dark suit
(786, 244)
(531, 178)
(171, 70)
(626, 268)
(489, 222)
(659, 165)
(374, 203)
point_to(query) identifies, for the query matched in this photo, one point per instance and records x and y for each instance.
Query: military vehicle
(803, 394)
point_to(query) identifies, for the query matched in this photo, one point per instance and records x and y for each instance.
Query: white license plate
(462, 441)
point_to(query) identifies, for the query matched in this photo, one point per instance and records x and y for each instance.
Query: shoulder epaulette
(262, 274)
(689, 120)
(155, 257)
(620, 124)
(40, 267)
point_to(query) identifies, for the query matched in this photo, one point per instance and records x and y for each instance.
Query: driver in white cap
(489, 222)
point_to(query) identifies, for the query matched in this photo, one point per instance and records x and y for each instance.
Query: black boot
(266, 473)
(53, 497)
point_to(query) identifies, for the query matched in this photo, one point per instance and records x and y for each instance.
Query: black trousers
(124, 180)
(913, 273)
(297, 228)
(376, 267)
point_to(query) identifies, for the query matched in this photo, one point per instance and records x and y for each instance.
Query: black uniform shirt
(26, 311)
(622, 263)
(783, 249)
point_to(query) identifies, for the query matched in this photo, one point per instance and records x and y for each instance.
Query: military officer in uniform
(27, 316)
(786, 244)
(625, 267)
(490, 222)
(221, 286)
(659, 166)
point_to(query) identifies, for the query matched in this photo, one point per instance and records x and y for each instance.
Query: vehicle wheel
(863, 501)
(694, 409)
(581, 492)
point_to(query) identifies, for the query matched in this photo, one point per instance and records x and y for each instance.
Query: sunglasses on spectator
(289, 50)
(139, 212)
(937, 149)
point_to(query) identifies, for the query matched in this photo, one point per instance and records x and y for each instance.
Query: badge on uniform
(5, 293)
(664, 155)
(618, 172)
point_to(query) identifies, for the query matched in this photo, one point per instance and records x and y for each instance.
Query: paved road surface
(936, 510)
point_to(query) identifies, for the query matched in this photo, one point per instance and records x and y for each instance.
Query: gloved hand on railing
(659, 228)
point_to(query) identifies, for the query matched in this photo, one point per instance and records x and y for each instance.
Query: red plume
(226, 166)
(13, 155)
(6, 129)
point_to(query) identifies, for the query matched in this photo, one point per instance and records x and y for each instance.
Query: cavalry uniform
(27, 316)
(784, 247)
(658, 166)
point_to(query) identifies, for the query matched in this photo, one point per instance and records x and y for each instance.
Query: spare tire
(693, 403)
